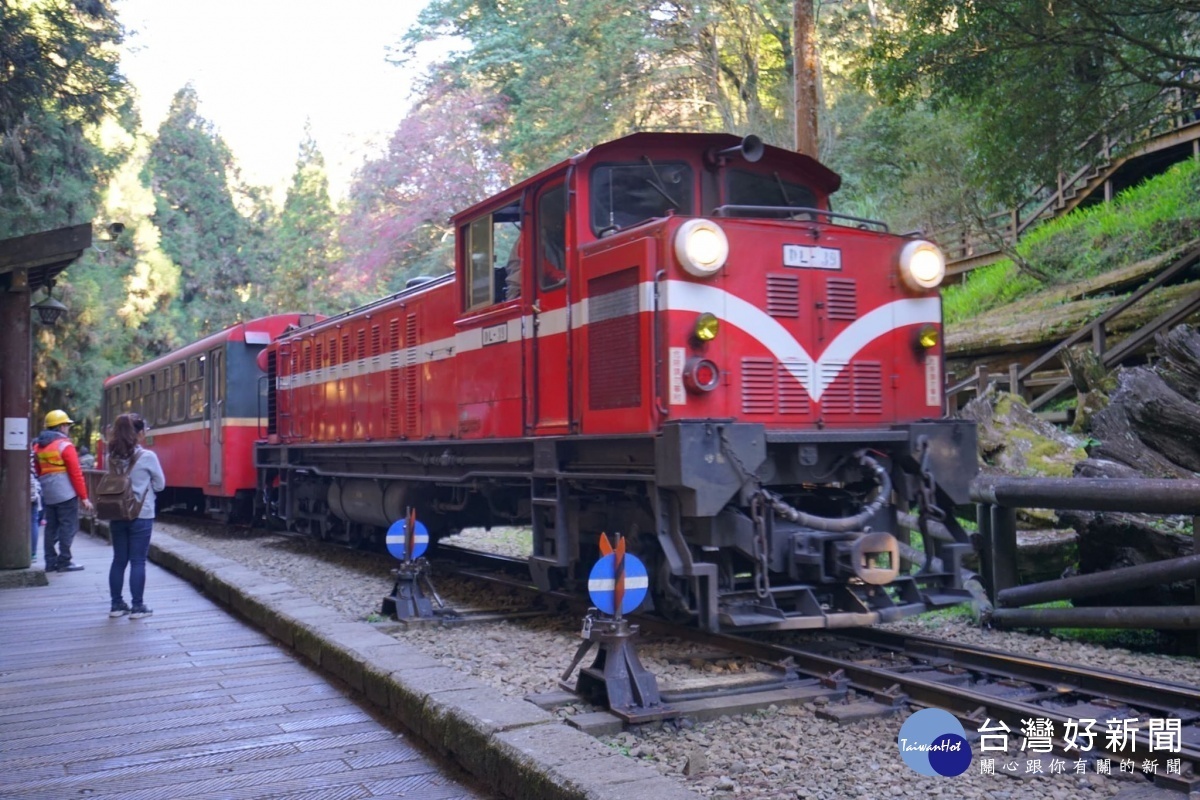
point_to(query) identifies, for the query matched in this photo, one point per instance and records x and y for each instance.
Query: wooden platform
(189, 702)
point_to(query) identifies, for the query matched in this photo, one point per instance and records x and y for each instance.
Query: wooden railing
(968, 244)
(1022, 380)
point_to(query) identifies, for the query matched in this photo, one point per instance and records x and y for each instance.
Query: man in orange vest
(63, 487)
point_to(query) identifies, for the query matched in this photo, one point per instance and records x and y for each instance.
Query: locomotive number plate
(803, 255)
(495, 335)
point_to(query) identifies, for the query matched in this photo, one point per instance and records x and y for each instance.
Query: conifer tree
(192, 174)
(304, 244)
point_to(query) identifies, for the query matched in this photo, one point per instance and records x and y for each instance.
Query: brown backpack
(114, 498)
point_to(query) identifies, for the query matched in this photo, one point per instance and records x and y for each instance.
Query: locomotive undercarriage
(740, 527)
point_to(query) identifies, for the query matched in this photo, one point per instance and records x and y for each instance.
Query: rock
(696, 764)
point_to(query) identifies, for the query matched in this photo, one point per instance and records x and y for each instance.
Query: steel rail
(1174, 698)
(1044, 681)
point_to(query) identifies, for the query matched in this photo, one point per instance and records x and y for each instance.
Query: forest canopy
(931, 111)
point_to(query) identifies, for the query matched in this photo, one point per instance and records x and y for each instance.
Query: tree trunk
(1109, 540)
(806, 66)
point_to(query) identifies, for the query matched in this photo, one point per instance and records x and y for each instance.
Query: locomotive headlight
(701, 247)
(922, 265)
(707, 326)
(927, 337)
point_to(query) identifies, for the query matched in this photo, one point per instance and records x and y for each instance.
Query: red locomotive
(672, 336)
(205, 404)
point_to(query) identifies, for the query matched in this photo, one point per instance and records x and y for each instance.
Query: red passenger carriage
(206, 406)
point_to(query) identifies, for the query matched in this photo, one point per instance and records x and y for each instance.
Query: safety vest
(50, 458)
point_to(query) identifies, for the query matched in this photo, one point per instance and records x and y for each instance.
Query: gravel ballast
(784, 752)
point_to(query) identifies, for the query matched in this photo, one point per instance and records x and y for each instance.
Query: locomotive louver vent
(793, 399)
(857, 389)
(836, 399)
(614, 341)
(394, 378)
(868, 387)
(783, 296)
(758, 385)
(272, 398)
(771, 387)
(410, 376)
(841, 298)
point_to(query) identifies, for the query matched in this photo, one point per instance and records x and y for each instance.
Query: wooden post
(16, 394)
(1099, 339)
(1014, 380)
(982, 376)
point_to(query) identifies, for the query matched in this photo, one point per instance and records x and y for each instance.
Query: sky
(262, 67)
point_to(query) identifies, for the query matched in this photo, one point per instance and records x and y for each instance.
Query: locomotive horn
(751, 149)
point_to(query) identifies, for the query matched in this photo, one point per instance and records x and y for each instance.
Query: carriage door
(216, 415)
(551, 395)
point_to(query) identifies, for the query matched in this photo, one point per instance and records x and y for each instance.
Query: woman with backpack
(131, 537)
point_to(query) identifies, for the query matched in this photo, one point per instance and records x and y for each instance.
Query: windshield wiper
(657, 184)
(783, 190)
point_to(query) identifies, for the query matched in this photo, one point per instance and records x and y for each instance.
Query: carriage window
(552, 238)
(493, 261)
(196, 387)
(755, 189)
(218, 378)
(164, 397)
(178, 390)
(628, 194)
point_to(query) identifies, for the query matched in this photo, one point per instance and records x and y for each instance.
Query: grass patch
(1146, 220)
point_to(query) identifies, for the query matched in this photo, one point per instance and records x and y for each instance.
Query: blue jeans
(34, 513)
(62, 521)
(131, 547)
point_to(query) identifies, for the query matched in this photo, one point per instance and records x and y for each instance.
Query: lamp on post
(49, 310)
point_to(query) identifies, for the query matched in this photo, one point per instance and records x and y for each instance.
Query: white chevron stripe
(814, 375)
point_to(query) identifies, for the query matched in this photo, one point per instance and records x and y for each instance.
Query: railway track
(983, 688)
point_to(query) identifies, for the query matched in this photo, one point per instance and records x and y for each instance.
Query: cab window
(552, 238)
(492, 258)
(628, 194)
(757, 189)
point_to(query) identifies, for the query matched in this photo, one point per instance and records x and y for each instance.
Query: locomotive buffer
(408, 540)
(616, 679)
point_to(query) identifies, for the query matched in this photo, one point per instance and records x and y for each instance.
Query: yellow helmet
(58, 417)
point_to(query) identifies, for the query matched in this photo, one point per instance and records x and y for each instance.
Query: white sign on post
(16, 433)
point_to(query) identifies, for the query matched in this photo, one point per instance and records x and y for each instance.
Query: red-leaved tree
(441, 159)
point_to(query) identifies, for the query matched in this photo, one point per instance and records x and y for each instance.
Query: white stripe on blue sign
(602, 584)
(397, 539)
(610, 584)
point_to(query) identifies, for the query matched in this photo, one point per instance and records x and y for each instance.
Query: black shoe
(70, 567)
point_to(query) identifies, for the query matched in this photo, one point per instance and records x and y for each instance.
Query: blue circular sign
(602, 584)
(932, 741)
(397, 539)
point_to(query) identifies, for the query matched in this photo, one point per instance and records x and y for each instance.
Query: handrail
(1095, 329)
(963, 241)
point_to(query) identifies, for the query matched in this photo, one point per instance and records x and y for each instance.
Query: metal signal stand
(616, 678)
(408, 600)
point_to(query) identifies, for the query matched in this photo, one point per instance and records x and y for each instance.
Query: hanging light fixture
(49, 310)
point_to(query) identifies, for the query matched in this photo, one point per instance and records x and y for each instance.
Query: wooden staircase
(1116, 165)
